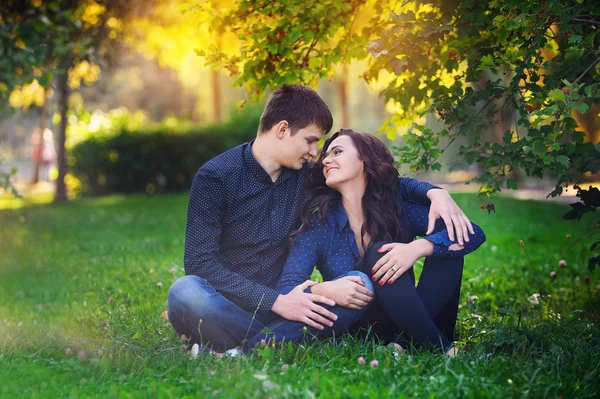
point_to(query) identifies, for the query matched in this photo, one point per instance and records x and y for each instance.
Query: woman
(356, 219)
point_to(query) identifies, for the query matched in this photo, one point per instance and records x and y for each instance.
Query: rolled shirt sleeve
(417, 219)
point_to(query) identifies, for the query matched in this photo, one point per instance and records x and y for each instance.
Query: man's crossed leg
(205, 316)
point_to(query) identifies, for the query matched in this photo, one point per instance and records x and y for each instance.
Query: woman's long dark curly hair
(381, 203)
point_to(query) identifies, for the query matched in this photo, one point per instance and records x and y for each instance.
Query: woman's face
(342, 164)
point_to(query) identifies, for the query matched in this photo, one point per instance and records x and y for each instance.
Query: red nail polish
(381, 283)
(374, 278)
(389, 282)
(373, 270)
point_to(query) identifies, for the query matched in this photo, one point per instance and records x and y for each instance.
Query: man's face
(297, 149)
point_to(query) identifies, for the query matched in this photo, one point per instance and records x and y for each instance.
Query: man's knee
(190, 293)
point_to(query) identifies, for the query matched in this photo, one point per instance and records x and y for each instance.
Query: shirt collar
(258, 171)
(340, 216)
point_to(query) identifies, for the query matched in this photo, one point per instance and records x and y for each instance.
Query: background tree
(45, 40)
(170, 34)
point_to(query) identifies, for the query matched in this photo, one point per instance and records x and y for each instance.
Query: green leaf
(487, 61)
(575, 39)
(563, 160)
(308, 36)
(295, 34)
(539, 148)
(314, 63)
(548, 159)
(512, 184)
(582, 108)
(556, 95)
(471, 157)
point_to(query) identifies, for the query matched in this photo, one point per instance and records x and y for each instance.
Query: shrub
(159, 158)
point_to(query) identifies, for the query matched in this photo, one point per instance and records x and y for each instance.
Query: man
(243, 205)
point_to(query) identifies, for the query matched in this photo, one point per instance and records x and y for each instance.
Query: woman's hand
(398, 259)
(348, 292)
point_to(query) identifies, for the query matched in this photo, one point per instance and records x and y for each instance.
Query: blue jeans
(199, 312)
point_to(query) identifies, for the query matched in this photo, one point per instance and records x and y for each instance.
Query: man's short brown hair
(299, 105)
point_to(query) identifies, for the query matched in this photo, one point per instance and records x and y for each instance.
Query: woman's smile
(330, 169)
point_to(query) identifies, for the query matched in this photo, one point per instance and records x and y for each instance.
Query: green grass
(86, 276)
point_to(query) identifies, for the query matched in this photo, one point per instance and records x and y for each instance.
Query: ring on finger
(394, 269)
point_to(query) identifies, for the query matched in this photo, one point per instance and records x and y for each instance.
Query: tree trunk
(341, 86)
(216, 92)
(37, 162)
(63, 106)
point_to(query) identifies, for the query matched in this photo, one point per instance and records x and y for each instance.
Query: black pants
(424, 315)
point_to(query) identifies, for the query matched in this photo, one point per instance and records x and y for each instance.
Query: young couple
(261, 216)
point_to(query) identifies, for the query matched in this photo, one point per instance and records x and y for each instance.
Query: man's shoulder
(225, 163)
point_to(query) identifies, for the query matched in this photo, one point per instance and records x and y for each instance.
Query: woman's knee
(371, 257)
(367, 283)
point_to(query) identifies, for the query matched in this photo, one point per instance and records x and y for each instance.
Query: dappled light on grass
(12, 202)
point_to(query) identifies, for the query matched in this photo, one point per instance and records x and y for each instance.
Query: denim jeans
(199, 312)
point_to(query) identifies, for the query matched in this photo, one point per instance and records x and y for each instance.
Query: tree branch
(586, 71)
(586, 20)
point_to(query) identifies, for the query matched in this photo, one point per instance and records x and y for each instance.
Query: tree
(540, 59)
(45, 40)
(527, 66)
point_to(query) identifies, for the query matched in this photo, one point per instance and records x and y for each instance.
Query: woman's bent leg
(439, 289)
(401, 302)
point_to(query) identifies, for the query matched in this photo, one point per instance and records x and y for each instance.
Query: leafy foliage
(525, 69)
(6, 185)
(528, 66)
(590, 201)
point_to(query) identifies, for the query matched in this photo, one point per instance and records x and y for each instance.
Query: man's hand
(348, 292)
(443, 206)
(298, 305)
(398, 259)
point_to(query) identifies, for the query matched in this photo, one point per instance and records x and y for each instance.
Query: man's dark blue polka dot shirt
(239, 222)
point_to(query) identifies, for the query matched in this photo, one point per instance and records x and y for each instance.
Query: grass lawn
(91, 278)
